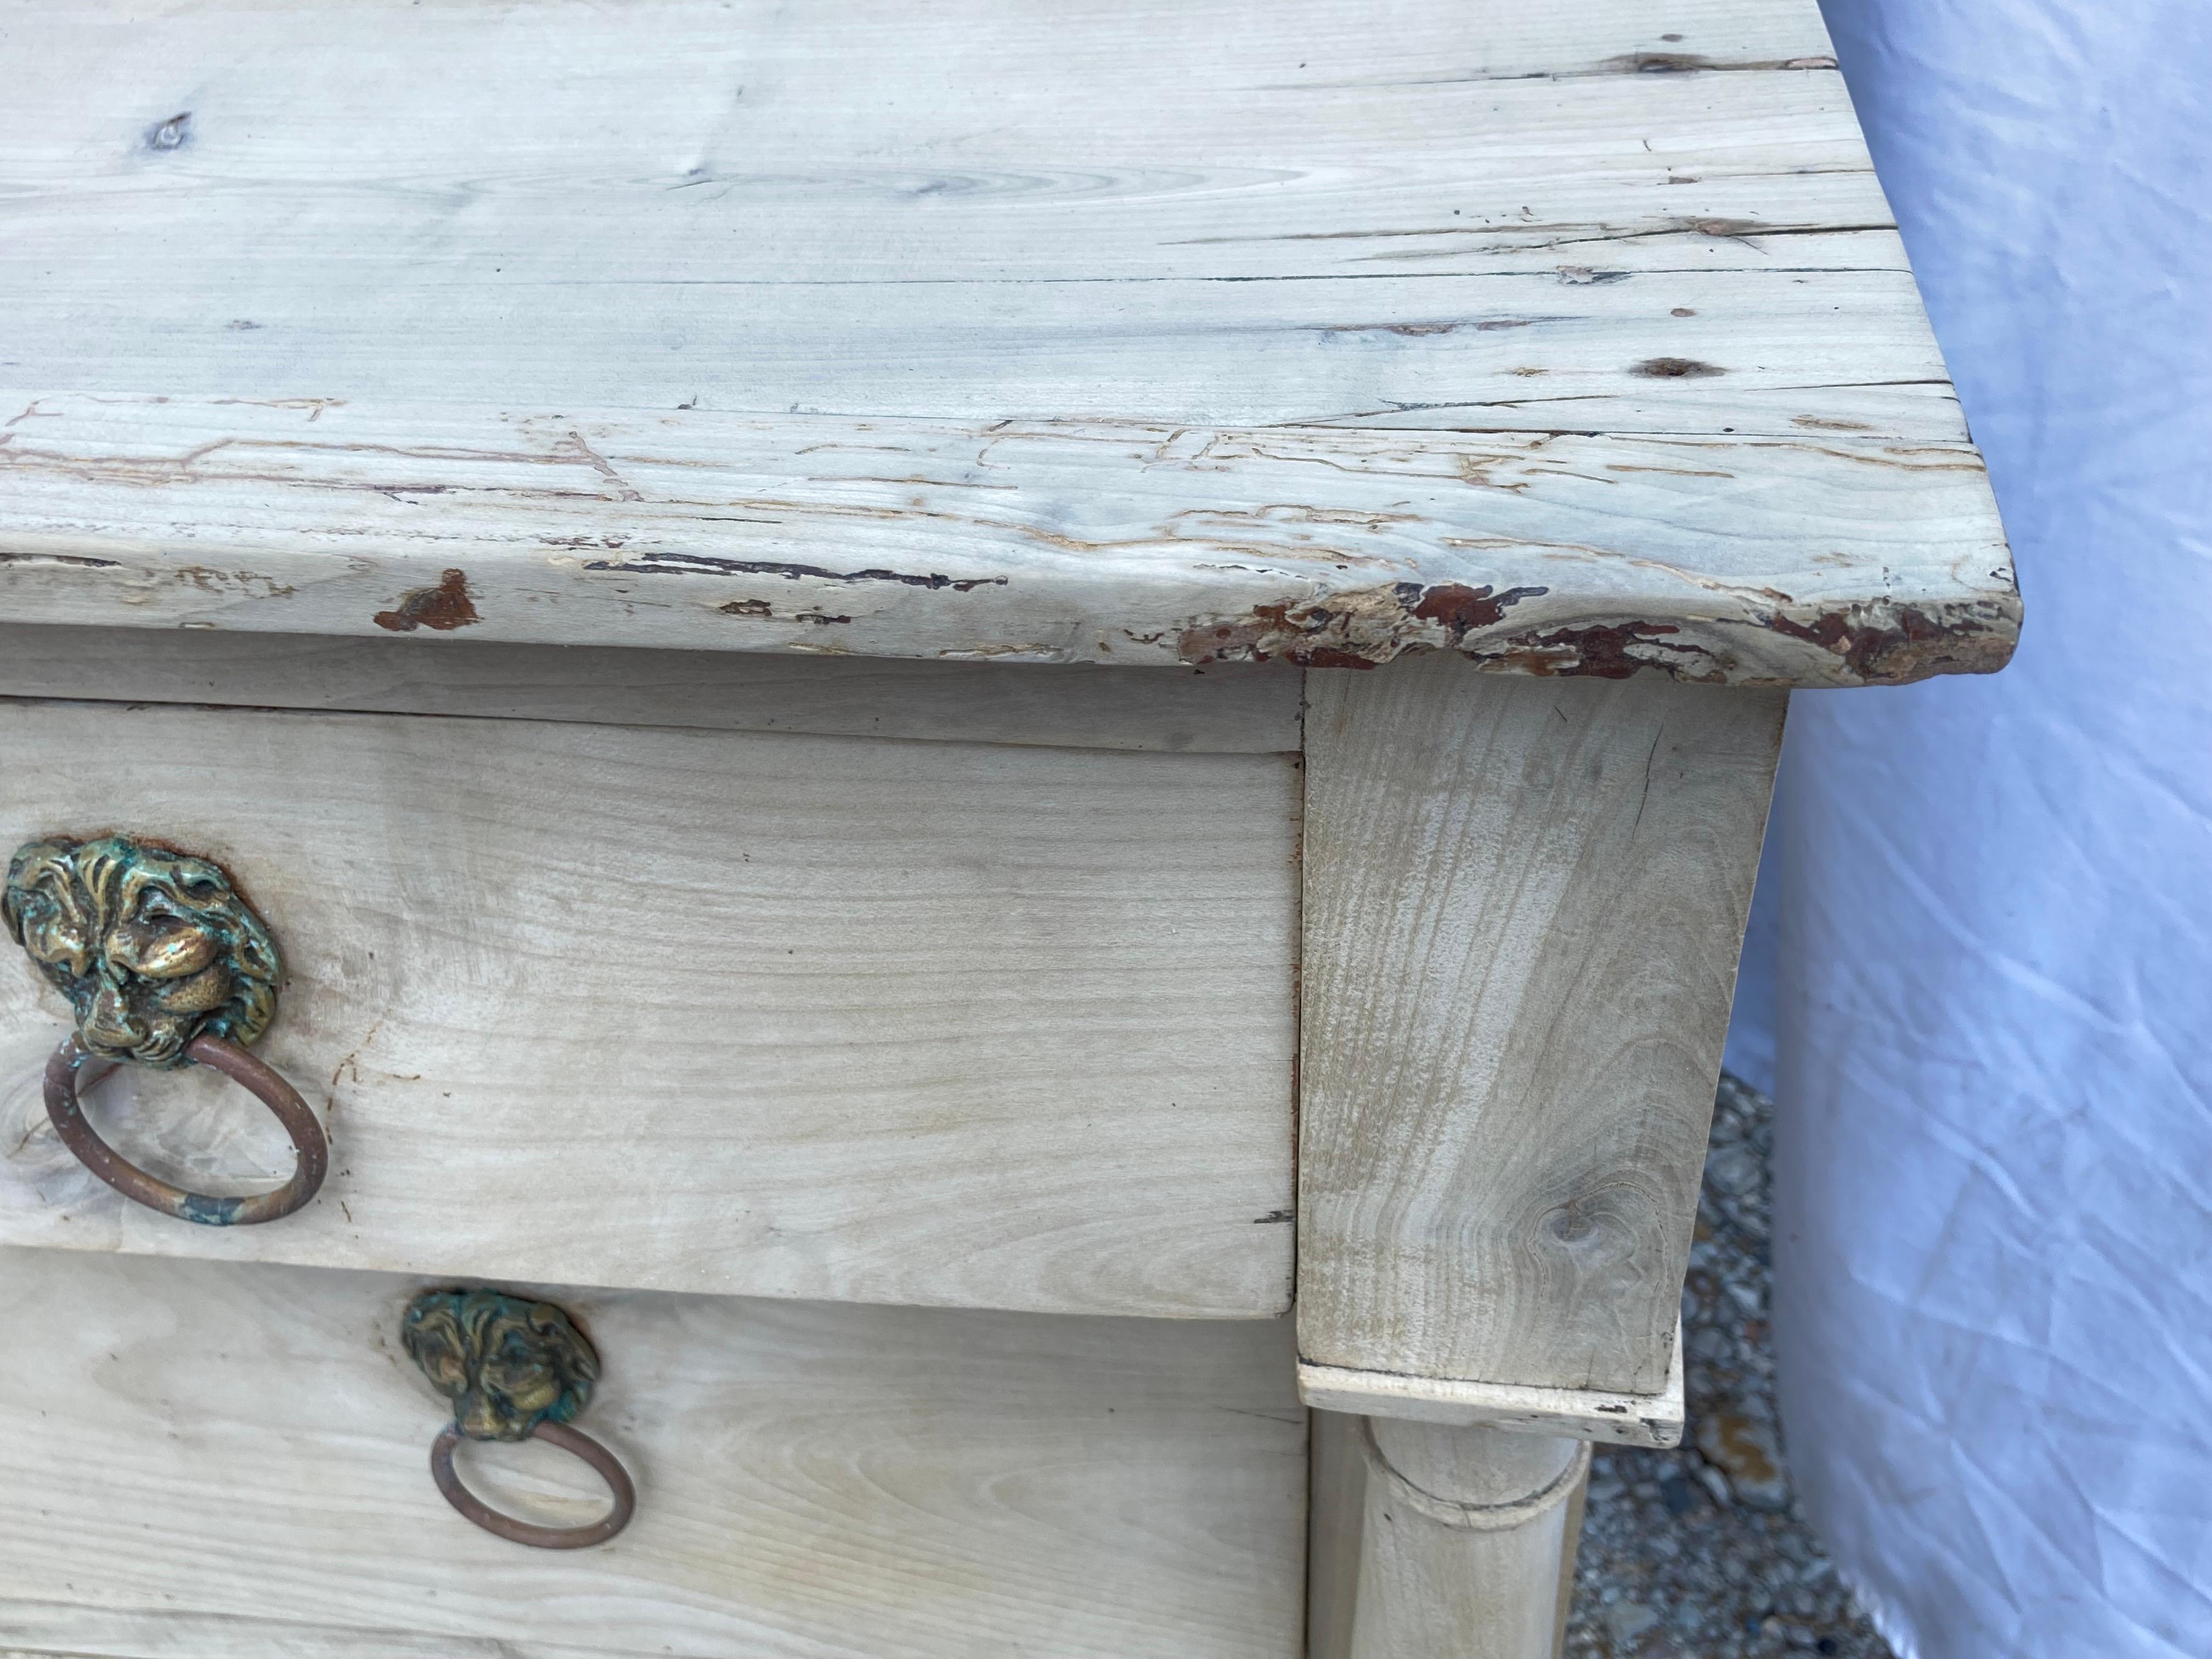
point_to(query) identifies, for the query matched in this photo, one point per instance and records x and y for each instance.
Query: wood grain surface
(1466, 1548)
(975, 211)
(1523, 905)
(983, 329)
(764, 1014)
(209, 1458)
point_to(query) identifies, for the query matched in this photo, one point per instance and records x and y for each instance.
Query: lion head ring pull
(165, 965)
(515, 1370)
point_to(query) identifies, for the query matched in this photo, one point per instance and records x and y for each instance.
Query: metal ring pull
(164, 965)
(311, 1148)
(570, 1440)
(515, 1368)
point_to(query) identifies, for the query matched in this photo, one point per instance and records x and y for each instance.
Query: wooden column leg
(1571, 1550)
(1442, 1542)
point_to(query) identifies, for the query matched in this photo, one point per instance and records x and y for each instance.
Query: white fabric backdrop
(1988, 901)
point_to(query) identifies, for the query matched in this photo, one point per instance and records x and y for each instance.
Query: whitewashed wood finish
(1772, 353)
(212, 1442)
(757, 1014)
(1225, 709)
(1022, 295)
(1824, 559)
(1625, 1419)
(1031, 141)
(1523, 904)
(977, 210)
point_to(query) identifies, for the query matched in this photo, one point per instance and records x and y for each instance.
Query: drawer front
(850, 1018)
(229, 1461)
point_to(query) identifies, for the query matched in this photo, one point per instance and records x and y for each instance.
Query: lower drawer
(212, 1459)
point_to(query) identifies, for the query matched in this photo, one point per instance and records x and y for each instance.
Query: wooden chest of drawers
(976, 782)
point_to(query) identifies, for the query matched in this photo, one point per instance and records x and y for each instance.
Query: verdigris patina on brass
(152, 947)
(515, 1368)
(507, 1363)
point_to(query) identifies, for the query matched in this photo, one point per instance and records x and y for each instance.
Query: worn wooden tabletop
(1577, 340)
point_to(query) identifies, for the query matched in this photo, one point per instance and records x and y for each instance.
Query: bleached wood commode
(933, 705)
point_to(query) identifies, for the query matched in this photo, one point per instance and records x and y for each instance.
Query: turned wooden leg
(1524, 904)
(1571, 1550)
(1436, 1542)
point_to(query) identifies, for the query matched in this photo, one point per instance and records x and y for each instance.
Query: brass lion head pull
(151, 947)
(507, 1364)
(515, 1370)
(163, 964)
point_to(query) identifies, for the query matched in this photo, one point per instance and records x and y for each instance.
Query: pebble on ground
(1701, 1553)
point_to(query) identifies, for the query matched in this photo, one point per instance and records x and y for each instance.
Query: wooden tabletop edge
(1806, 559)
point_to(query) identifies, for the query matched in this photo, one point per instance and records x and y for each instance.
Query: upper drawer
(798, 1016)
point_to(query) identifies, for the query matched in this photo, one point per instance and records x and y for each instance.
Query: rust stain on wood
(444, 608)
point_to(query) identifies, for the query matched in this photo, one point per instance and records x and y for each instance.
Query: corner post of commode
(1524, 901)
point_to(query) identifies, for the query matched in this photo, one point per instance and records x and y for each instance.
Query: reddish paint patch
(1910, 647)
(1465, 609)
(1360, 631)
(1600, 653)
(444, 607)
(1239, 640)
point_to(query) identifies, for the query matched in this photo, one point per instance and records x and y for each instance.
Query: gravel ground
(1701, 1553)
